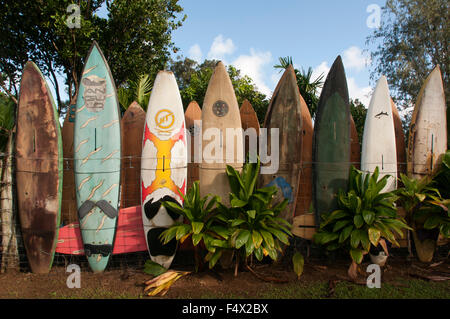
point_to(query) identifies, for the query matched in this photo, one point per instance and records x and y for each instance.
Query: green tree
(193, 80)
(411, 41)
(308, 88)
(358, 111)
(135, 36)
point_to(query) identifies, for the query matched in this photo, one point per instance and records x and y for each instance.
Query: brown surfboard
(221, 135)
(193, 113)
(304, 193)
(249, 120)
(132, 122)
(69, 202)
(284, 113)
(355, 147)
(399, 141)
(39, 169)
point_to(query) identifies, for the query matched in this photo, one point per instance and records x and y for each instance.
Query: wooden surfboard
(304, 193)
(331, 144)
(39, 169)
(193, 116)
(133, 122)
(69, 199)
(97, 153)
(355, 155)
(399, 141)
(285, 113)
(378, 145)
(428, 131)
(8, 213)
(164, 164)
(304, 226)
(129, 235)
(250, 127)
(220, 113)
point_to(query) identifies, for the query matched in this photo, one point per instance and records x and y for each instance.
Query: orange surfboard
(193, 117)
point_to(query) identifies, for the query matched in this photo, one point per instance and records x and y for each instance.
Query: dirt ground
(124, 279)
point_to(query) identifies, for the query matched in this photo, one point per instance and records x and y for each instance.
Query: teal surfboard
(97, 153)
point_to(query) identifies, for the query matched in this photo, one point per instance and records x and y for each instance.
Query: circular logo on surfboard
(220, 108)
(164, 119)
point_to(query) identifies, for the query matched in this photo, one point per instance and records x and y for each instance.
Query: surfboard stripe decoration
(428, 131)
(378, 145)
(97, 156)
(284, 113)
(220, 114)
(163, 164)
(331, 144)
(39, 169)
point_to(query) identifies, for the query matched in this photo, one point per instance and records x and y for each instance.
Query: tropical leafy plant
(7, 118)
(365, 216)
(138, 91)
(253, 222)
(426, 200)
(204, 225)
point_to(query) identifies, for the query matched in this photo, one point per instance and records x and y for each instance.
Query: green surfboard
(332, 141)
(97, 153)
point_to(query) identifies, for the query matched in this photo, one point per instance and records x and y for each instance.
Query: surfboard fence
(129, 247)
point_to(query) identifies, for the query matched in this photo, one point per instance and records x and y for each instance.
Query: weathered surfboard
(285, 113)
(38, 151)
(428, 130)
(250, 127)
(193, 116)
(331, 144)
(304, 193)
(9, 248)
(399, 141)
(355, 148)
(164, 164)
(69, 200)
(133, 122)
(220, 115)
(97, 153)
(378, 144)
(129, 235)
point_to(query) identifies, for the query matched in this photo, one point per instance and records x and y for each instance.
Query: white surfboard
(428, 132)
(378, 144)
(163, 164)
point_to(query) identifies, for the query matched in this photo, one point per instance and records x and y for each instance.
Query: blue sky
(253, 34)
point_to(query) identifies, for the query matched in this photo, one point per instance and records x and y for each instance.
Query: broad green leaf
(357, 255)
(257, 238)
(153, 268)
(345, 233)
(374, 235)
(298, 262)
(358, 221)
(196, 238)
(368, 216)
(197, 227)
(242, 238)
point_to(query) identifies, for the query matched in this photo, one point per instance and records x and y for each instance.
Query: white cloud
(321, 69)
(252, 65)
(221, 47)
(361, 93)
(355, 58)
(195, 53)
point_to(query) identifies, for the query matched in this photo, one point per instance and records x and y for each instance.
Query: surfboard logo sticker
(94, 93)
(164, 120)
(379, 115)
(220, 108)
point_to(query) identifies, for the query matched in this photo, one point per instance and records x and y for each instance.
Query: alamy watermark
(74, 279)
(73, 21)
(374, 19)
(374, 279)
